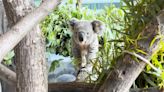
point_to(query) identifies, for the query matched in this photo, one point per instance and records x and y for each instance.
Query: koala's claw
(83, 64)
(82, 75)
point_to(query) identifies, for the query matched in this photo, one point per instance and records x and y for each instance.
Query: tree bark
(85, 87)
(3, 20)
(13, 36)
(30, 52)
(8, 78)
(1, 17)
(73, 87)
(151, 89)
(7, 75)
(31, 63)
(126, 69)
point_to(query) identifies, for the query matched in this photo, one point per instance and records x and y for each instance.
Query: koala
(85, 42)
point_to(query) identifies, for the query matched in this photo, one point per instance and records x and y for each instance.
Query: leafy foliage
(8, 58)
(54, 65)
(55, 29)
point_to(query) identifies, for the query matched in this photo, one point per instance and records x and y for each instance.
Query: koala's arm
(93, 49)
(75, 50)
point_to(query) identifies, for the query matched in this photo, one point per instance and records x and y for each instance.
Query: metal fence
(99, 5)
(93, 4)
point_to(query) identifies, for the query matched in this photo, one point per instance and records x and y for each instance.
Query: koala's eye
(87, 33)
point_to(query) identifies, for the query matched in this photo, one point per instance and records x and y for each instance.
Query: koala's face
(84, 32)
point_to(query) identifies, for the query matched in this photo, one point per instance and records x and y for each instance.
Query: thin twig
(144, 60)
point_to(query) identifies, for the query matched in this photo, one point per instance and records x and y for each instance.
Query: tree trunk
(8, 77)
(1, 17)
(31, 63)
(30, 52)
(126, 69)
(3, 20)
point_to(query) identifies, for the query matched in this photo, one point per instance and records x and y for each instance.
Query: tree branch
(7, 75)
(144, 60)
(151, 89)
(126, 70)
(73, 87)
(14, 35)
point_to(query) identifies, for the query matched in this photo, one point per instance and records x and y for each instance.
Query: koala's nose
(81, 37)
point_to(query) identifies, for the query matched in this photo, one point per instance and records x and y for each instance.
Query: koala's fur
(85, 39)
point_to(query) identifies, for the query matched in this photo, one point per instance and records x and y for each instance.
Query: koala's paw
(82, 76)
(84, 73)
(84, 62)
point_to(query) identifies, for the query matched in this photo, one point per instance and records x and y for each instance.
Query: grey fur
(85, 39)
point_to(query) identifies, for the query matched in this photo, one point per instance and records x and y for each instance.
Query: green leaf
(54, 65)
(155, 38)
(8, 62)
(141, 51)
(149, 80)
(9, 56)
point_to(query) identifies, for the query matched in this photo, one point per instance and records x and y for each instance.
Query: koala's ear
(98, 26)
(72, 23)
